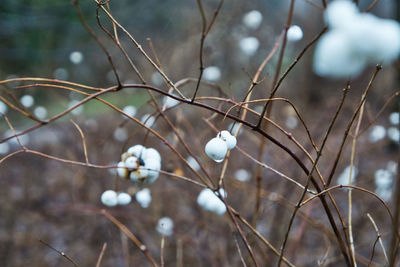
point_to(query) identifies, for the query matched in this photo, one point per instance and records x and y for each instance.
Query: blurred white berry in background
(383, 178)
(294, 33)
(394, 134)
(148, 120)
(234, 126)
(345, 175)
(109, 198)
(40, 112)
(4, 148)
(252, 19)
(392, 167)
(120, 134)
(394, 118)
(208, 200)
(170, 102)
(377, 133)
(24, 139)
(157, 79)
(242, 175)
(165, 226)
(76, 57)
(60, 74)
(355, 40)
(3, 107)
(291, 122)
(130, 110)
(212, 74)
(143, 197)
(193, 163)
(76, 111)
(384, 193)
(383, 182)
(340, 14)
(123, 198)
(27, 101)
(334, 56)
(249, 45)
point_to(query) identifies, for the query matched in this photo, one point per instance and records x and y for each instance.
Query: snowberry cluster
(111, 198)
(140, 165)
(354, 40)
(217, 147)
(208, 200)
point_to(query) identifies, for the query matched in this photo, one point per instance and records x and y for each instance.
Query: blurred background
(42, 199)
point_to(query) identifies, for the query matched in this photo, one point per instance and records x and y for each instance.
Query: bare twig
(379, 237)
(101, 254)
(87, 28)
(319, 153)
(131, 236)
(139, 47)
(239, 251)
(280, 59)
(346, 133)
(277, 84)
(205, 30)
(83, 141)
(371, 6)
(59, 252)
(162, 246)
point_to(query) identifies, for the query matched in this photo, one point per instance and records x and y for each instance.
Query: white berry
(228, 138)
(136, 150)
(216, 149)
(109, 198)
(124, 198)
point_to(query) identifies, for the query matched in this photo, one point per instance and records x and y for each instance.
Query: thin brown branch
(99, 259)
(277, 84)
(280, 59)
(59, 252)
(83, 141)
(240, 231)
(94, 36)
(265, 241)
(205, 30)
(118, 44)
(131, 236)
(379, 237)
(319, 153)
(139, 47)
(387, 102)
(346, 133)
(371, 6)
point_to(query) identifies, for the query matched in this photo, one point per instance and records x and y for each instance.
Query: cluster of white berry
(111, 198)
(354, 40)
(140, 165)
(217, 147)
